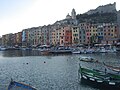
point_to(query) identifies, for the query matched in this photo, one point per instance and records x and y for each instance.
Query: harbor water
(47, 72)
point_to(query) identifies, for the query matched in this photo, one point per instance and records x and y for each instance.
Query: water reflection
(20, 53)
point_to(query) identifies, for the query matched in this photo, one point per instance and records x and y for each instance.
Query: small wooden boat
(88, 59)
(117, 69)
(2, 48)
(76, 52)
(99, 78)
(19, 86)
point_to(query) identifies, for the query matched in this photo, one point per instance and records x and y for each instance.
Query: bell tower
(73, 14)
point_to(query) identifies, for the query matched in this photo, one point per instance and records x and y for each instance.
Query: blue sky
(13, 7)
(16, 15)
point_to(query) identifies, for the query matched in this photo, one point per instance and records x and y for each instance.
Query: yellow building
(75, 35)
(18, 39)
(62, 36)
(53, 37)
(7, 40)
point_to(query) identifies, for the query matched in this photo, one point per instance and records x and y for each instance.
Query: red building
(68, 36)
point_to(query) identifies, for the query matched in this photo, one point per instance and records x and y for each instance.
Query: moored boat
(116, 69)
(2, 48)
(76, 52)
(45, 52)
(61, 51)
(99, 78)
(88, 59)
(19, 86)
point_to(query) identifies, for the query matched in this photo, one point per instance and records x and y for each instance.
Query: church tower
(73, 14)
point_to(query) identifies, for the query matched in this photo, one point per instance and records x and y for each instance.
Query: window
(67, 37)
(62, 42)
(84, 31)
(80, 32)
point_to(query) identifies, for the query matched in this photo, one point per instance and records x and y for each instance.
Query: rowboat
(19, 86)
(116, 69)
(76, 52)
(88, 59)
(99, 78)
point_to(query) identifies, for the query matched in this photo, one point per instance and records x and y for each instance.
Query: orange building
(68, 36)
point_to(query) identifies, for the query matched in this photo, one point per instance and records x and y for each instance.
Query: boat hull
(99, 79)
(61, 52)
(104, 85)
(19, 86)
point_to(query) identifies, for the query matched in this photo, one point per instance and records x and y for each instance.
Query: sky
(16, 15)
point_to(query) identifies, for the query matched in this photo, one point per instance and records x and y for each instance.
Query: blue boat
(19, 86)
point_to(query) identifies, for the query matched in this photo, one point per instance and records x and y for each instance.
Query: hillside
(110, 17)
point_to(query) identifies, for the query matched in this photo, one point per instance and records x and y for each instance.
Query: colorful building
(111, 33)
(18, 39)
(25, 38)
(75, 35)
(68, 36)
(7, 40)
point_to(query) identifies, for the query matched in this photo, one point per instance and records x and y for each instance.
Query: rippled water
(54, 72)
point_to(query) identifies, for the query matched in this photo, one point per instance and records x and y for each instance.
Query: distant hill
(110, 17)
(102, 14)
(109, 8)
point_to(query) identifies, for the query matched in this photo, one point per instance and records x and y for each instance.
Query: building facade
(75, 35)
